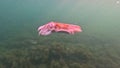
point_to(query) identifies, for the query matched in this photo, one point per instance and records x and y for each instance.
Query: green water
(100, 20)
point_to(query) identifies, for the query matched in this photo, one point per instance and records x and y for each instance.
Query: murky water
(100, 20)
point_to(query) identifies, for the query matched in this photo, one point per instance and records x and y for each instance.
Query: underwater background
(96, 47)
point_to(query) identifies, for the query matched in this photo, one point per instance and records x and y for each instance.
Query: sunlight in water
(117, 1)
